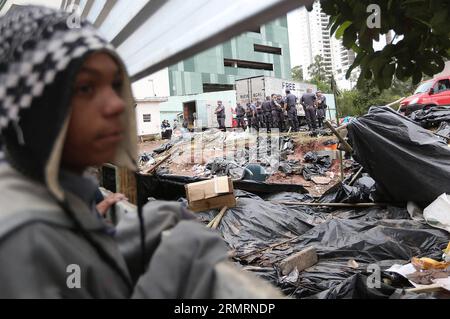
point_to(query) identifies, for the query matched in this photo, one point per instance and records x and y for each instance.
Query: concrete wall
(152, 108)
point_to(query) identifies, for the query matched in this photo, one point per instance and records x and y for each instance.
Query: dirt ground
(303, 144)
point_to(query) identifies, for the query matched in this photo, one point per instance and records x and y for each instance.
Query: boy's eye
(85, 89)
(117, 85)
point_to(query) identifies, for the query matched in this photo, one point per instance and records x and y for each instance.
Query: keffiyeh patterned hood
(40, 55)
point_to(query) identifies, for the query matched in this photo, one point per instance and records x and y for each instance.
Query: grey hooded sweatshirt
(53, 244)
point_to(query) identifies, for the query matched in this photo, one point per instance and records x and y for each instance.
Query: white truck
(258, 87)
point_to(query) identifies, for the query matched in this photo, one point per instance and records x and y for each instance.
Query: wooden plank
(331, 204)
(126, 184)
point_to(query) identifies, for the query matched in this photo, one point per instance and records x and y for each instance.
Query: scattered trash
(437, 214)
(362, 192)
(425, 263)
(427, 280)
(446, 255)
(432, 116)
(317, 165)
(444, 130)
(353, 264)
(291, 167)
(165, 147)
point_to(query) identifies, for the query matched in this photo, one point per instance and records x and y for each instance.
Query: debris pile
(432, 116)
(379, 233)
(350, 244)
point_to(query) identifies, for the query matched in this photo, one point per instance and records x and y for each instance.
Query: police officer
(240, 113)
(249, 113)
(259, 115)
(291, 101)
(267, 111)
(308, 101)
(276, 109)
(321, 107)
(281, 113)
(220, 112)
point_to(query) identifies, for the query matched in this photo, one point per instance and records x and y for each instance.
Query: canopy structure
(153, 34)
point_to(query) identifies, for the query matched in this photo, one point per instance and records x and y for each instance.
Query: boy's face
(95, 128)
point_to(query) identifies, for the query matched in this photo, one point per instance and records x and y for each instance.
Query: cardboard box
(214, 193)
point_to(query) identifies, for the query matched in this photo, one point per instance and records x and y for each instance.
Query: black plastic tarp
(408, 162)
(444, 130)
(374, 236)
(362, 191)
(432, 116)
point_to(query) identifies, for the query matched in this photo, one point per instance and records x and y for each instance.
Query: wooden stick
(356, 176)
(212, 221)
(269, 247)
(331, 204)
(395, 102)
(340, 138)
(219, 218)
(153, 169)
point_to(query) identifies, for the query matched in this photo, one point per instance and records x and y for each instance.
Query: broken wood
(269, 247)
(153, 169)
(331, 204)
(219, 218)
(300, 261)
(355, 177)
(339, 136)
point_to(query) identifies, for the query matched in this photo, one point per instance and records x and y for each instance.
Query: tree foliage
(316, 70)
(357, 101)
(421, 25)
(297, 73)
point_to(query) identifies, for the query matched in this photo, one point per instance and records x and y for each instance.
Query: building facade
(264, 51)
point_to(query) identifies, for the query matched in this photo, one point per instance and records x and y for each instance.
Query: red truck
(430, 93)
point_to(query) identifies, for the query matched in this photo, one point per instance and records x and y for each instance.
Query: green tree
(358, 100)
(323, 86)
(297, 73)
(316, 70)
(422, 25)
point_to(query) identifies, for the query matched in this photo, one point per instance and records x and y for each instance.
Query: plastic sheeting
(408, 162)
(444, 130)
(432, 116)
(363, 191)
(318, 165)
(372, 238)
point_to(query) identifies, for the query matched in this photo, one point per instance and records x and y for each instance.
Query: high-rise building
(315, 40)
